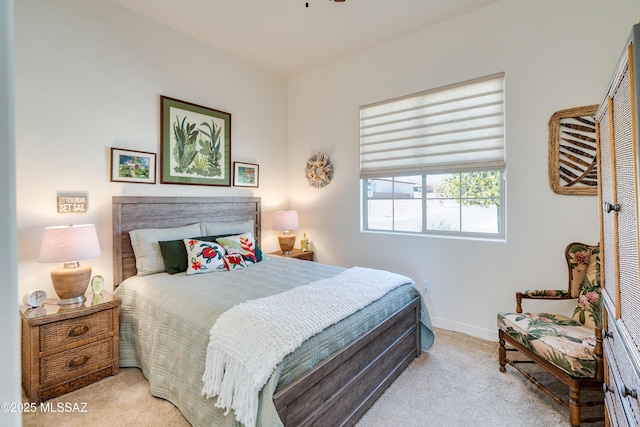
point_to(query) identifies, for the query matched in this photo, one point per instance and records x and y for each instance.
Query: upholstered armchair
(570, 348)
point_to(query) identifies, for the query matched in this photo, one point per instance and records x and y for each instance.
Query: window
(433, 162)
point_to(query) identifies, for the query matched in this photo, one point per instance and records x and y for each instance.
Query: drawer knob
(78, 361)
(78, 330)
(627, 392)
(608, 207)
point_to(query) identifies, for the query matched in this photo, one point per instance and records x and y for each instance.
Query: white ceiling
(286, 37)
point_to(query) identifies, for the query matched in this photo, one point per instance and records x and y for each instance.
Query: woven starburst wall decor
(572, 151)
(318, 170)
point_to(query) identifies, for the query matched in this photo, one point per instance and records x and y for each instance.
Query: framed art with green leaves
(195, 144)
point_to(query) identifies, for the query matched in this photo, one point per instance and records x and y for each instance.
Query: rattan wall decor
(572, 151)
(318, 170)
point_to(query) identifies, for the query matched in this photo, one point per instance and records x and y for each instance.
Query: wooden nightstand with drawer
(296, 253)
(65, 348)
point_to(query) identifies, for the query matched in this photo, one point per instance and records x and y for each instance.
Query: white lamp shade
(286, 220)
(69, 243)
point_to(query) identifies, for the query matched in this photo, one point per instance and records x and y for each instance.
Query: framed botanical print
(195, 144)
(245, 174)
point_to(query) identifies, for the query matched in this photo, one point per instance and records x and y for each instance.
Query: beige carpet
(456, 383)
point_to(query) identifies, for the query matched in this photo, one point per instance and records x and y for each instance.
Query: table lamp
(69, 244)
(286, 221)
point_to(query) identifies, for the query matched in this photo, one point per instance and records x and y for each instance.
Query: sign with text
(72, 203)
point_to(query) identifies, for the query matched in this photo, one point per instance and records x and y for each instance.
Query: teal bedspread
(165, 322)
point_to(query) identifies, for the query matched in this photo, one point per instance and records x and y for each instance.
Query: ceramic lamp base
(286, 243)
(71, 284)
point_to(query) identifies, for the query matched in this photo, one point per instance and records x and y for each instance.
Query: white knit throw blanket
(249, 340)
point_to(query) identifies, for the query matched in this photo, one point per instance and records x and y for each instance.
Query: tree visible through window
(433, 162)
(460, 203)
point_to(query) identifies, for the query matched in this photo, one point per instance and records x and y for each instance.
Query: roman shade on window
(455, 128)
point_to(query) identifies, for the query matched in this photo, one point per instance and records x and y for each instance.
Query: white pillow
(220, 228)
(204, 257)
(147, 249)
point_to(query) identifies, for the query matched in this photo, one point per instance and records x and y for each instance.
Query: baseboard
(474, 331)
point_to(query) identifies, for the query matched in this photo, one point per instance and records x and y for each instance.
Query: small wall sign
(73, 203)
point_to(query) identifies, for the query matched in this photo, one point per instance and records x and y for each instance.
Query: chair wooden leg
(574, 405)
(502, 353)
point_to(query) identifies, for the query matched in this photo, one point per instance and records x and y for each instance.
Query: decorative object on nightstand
(296, 253)
(34, 298)
(96, 284)
(69, 244)
(286, 221)
(304, 243)
(65, 348)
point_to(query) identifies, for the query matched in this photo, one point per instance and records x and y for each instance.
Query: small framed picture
(133, 166)
(245, 174)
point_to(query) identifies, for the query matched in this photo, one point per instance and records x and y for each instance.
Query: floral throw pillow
(234, 262)
(241, 244)
(204, 257)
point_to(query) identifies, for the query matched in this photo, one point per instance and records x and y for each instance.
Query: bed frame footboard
(341, 389)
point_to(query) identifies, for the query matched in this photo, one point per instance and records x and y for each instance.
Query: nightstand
(296, 253)
(65, 348)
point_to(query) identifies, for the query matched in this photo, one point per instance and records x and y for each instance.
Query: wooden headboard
(131, 213)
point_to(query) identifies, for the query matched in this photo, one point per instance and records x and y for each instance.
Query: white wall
(10, 356)
(556, 55)
(89, 75)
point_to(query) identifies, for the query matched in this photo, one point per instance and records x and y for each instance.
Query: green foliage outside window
(481, 188)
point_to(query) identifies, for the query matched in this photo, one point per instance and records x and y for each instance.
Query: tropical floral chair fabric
(568, 347)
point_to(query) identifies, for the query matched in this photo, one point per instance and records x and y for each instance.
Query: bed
(331, 379)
